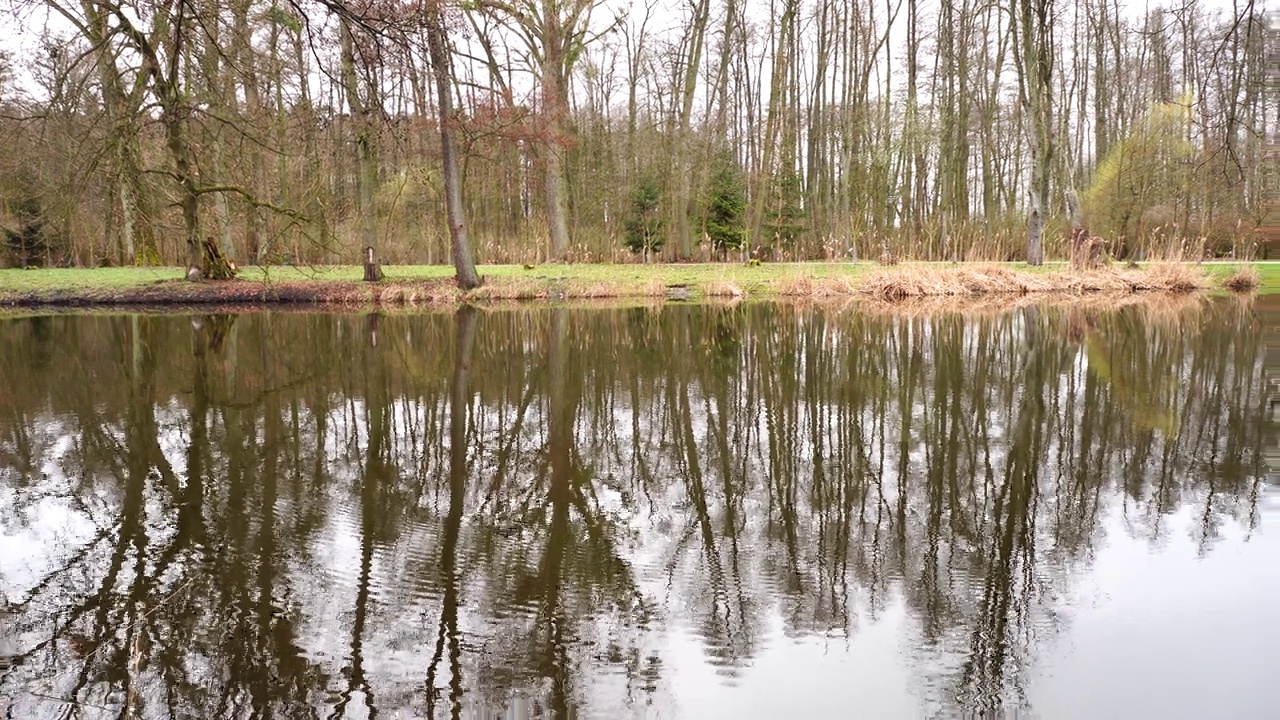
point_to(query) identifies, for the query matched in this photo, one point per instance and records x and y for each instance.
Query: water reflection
(562, 512)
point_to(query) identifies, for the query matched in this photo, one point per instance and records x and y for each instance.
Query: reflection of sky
(1153, 630)
(1149, 629)
(45, 532)
(1167, 627)
(810, 676)
(1171, 633)
(1163, 628)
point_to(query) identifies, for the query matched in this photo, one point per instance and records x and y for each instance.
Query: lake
(670, 511)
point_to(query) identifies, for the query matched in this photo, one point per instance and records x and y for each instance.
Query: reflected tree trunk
(373, 482)
(1010, 558)
(561, 408)
(460, 397)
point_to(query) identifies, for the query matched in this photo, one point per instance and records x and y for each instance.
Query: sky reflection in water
(685, 511)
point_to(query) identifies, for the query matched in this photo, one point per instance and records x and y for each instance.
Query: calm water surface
(681, 512)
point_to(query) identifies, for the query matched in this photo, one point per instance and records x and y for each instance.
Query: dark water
(700, 512)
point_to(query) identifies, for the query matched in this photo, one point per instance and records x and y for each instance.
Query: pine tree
(726, 204)
(26, 240)
(644, 220)
(785, 220)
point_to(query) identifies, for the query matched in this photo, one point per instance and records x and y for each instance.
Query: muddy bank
(181, 293)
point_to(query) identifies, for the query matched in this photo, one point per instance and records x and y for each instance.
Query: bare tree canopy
(213, 132)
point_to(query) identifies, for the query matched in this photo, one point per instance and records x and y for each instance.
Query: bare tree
(1034, 58)
(555, 34)
(438, 41)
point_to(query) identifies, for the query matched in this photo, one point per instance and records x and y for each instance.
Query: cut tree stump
(372, 273)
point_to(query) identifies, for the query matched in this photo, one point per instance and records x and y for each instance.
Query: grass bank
(434, 284)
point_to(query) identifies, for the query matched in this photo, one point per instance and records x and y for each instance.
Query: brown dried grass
(506, 290)
(401, 294)
(928, 281)
(817, 287)
(594, 291)
(723, 289)
(655, 288)
(1244, 280)
(1172, 277)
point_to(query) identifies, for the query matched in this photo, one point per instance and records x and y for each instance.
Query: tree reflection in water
(304, 515)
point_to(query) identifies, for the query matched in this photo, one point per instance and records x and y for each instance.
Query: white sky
(21, 31)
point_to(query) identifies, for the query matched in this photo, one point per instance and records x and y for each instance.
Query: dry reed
(506, 290)
(400, 293)
(655, 288)
(1243, 280)
(723, 289)
(1173, 277)
(998, 280)
(941, 281)
(595, 291)
(813, 287)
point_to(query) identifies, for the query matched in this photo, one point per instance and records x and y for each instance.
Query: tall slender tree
(1034, 58)
(438, 45)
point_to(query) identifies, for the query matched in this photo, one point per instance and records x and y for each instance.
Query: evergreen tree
(643, 223)
(25, 241)
(726, 204)
(785, 220)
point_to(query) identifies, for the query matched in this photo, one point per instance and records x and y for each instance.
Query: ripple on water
(408, 571)
(730, 619)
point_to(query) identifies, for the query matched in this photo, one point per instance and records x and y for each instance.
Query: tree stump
(1078, 239)
(1086, 249)
(216, 265)
(372, 273)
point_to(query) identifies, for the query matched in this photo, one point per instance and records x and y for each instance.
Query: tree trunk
(248, 70)
(557, 192)
(437, 43)
(137, 242)
(682, 169)
(1035, 233)
(216, 167)
(170, 96)
(190, 200)
(774, 120)
(555, 105)
(367, 177)
(1034, 53)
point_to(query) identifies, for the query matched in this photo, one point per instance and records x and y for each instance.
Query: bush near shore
(434, 284)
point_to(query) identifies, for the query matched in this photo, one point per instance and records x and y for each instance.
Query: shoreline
(413, 286)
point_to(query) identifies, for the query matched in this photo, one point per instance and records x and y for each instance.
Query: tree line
(210, 132)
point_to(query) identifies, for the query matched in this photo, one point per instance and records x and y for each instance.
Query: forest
(303, 131)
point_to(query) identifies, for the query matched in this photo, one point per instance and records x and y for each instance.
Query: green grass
(751, 279)
(1269, 274)
(60, 279)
